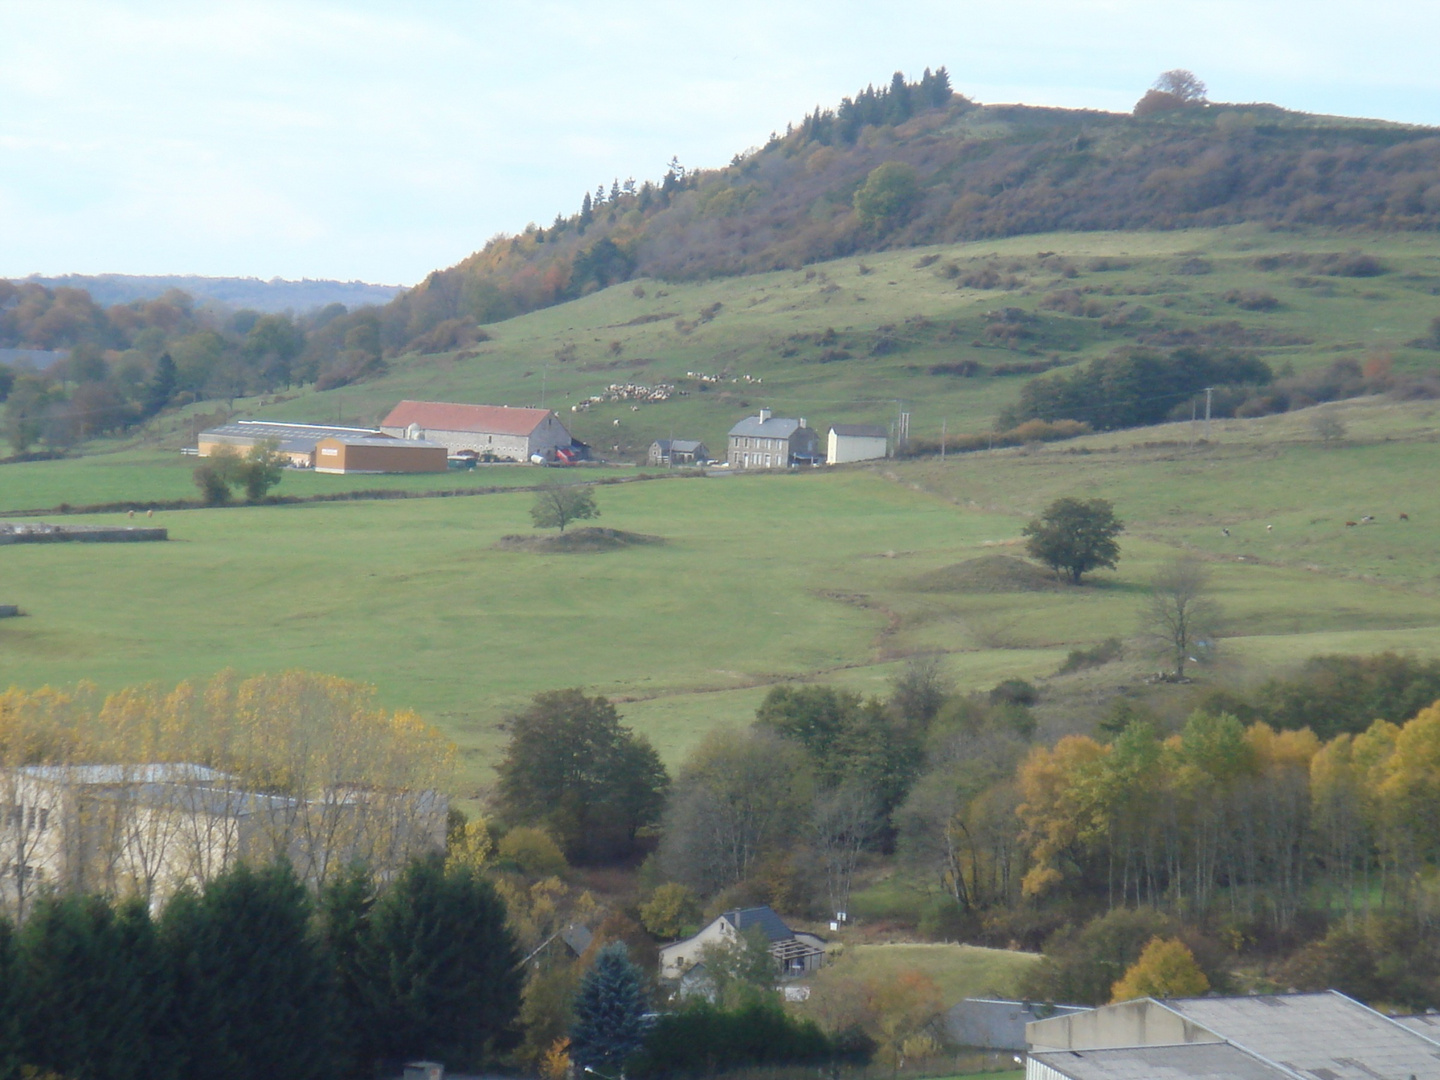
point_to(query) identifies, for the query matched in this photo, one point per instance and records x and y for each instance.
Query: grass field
(834, 576)
(959, 971)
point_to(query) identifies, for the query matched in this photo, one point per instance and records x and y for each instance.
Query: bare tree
(843, 824)
(1184, 85)
(1179, 617)
(1327, 426)
(556, 505)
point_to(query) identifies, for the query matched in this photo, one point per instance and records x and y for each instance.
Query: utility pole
(942, 439)
(544, 374)
(1209, 393)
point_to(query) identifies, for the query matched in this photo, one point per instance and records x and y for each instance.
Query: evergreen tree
(162, 385)
(609, 1011)
(345, 904)
(10, 1031)
(615, 190)
(587, 213)
(92, 991)
(252, 988)
(440, 967)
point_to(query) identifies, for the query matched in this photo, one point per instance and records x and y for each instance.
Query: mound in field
(578, 540)
(989, 574)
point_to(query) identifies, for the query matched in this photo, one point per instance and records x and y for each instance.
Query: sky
(379, 141)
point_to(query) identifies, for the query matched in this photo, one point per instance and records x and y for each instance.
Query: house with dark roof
(1325, 1036)
(485, 431)
(856, 442)
(773, 442)
(677, 452)
(795, 952)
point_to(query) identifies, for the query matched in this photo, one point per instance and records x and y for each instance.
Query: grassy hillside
(828, 575)
(848, 341)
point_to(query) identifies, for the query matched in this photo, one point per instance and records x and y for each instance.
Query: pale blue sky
(379, 141)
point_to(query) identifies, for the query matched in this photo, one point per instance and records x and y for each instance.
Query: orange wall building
(358, 454)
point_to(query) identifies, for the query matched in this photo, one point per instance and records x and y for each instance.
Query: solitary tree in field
(556, 505)
(1076, 536)
(1175, 89)
(1179, 615)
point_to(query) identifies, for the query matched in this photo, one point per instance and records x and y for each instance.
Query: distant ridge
(275, 295)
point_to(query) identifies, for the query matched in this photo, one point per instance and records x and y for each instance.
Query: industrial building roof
(1328, 1036)
(1190, 1061)
(772, 427)
(381, 440)
(449, 416)
(146, 773)
(1427, 1024)
(860, 431)
(996, 1024)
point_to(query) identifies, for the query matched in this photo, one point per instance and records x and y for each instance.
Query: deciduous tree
(1166, 969)
(1076, 536)
(557, 505)
(1179, 617)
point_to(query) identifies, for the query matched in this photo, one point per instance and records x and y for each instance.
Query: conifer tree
(609, 1011)
(162, 386)
(587, 213)
(91, 990)
(252, 989)
(345, 905)
(440, 967)
(10, 1032)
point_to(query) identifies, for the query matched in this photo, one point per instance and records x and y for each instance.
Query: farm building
(856, 442)
(795, 952)
(378, 454)
(678, 452)
(772, 442)
(1263, 1037)
(295, 441)
(482, 430)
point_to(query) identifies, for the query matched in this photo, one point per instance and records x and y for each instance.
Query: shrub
(1079, 659)
(702, 1040)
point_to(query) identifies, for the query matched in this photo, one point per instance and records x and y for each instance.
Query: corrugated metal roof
(382, 440)
(765, 918)
(1427, 1024)
(1327, 1036)
(146, 773)
(860, 431)
(450, 416)
(997, 1025)
(258, 430)
(1192, 1061)
(776, 427)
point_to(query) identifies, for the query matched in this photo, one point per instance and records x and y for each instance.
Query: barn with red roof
(485, 431)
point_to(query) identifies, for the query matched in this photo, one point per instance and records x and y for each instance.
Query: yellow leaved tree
(1166, 969)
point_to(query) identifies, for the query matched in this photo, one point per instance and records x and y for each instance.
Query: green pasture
(959, 971)
(895, 317)
(150, 474)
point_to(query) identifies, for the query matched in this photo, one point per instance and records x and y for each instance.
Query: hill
(913, 164)
(272, 297)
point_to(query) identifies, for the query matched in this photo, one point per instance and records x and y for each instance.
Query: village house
(795, 952)
(772, 442)
(856, 442)
(677, 452)
(484, 431)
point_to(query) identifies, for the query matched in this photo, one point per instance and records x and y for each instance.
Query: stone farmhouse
(772, 442)
(677, 452)
(485, 431)
(149, 829)
(795, 952)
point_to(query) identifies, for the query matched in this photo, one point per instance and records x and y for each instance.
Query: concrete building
(772, 442)
(491, 432)
(295, 441)
(150, 829)
(379, 454)
(795, 952)
(990, 1024)
(1325, 1036)
(677, 452)
(856, 442)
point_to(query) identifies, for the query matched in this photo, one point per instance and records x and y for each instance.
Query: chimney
(764, 415)
(802, 421)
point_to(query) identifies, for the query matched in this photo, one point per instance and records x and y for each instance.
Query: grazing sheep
(1367, 519)
(131, 514)
(1269, 528)
(1225, 531)
(1351, 524)
(1404, 517)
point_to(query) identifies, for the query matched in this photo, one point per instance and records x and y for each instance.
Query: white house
(795, 952)
(856, 442)
(487, 431)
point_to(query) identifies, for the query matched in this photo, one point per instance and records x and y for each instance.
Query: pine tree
(10, 1031)
(615, 190)
(162, 385)
(587, 213)
(440, 967)
(609, 1011)
(92, 990)
(345, 906)
(252, 988)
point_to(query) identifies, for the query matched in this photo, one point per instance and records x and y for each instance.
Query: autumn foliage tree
(1166, 969)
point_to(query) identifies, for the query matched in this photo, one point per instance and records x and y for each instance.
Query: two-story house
(772, 442)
